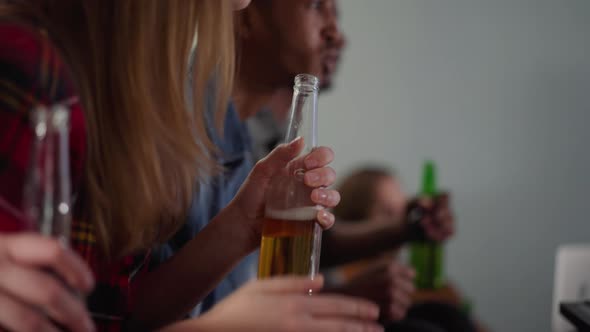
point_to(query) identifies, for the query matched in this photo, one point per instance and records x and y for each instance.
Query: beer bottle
(47, 192)
(291, 237)
(427, 256)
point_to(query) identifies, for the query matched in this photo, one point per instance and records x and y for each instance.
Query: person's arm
(347, 242)
(281, 305)
(388, 284)
(31, 299)
(171, 290)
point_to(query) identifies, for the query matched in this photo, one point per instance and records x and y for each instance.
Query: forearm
(173, 289)
(347, 242)
(193, 325)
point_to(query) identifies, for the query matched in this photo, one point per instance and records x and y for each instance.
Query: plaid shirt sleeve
(31, 74)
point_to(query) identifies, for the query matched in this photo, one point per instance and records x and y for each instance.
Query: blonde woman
(137, 149)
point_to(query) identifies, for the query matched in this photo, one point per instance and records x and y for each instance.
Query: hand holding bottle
(249, 204)
(289, 184)
(30, 297)
(436, 220)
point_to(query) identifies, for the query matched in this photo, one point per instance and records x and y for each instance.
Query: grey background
(497, 92)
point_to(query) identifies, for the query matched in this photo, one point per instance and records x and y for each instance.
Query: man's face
(302, 36)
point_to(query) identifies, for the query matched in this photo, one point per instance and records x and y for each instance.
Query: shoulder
(31, 69)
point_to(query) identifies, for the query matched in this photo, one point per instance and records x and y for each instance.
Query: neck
(250, 97)
(257, 87)
(280, 104)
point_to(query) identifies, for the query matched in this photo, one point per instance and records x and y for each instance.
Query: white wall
(498, 93)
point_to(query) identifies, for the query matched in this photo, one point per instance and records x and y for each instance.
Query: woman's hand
(31, 298)
(284, 305)
(248, 206)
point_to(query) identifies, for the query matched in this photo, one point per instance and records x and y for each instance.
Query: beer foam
(299, 214)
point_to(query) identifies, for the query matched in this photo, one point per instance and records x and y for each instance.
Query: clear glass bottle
(47, 194)
(291, 236)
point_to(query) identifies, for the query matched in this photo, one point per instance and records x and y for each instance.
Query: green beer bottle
(427, 256)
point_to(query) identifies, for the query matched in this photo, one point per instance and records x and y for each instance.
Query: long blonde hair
(147, 147)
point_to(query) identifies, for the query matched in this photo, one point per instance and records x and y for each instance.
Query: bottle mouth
(306, 82)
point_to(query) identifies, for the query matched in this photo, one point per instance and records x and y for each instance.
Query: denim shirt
(211, 197)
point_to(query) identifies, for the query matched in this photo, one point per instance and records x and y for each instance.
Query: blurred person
(133, 179)
(373, 195)
(276, 40)
(280, 39)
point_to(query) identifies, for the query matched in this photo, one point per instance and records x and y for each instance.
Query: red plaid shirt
(31, 74)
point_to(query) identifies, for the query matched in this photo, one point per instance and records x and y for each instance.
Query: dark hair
(357, 192)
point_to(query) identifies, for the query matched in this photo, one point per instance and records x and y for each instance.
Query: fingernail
(312, 177)
(327, 218)
(322, 219)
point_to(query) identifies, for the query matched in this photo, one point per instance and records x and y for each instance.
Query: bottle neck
(303, 117)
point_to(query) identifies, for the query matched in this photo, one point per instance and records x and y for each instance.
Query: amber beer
(291, 241)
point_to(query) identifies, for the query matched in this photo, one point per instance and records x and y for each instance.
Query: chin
(240, 4)
(326, 85)
(326, 80)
